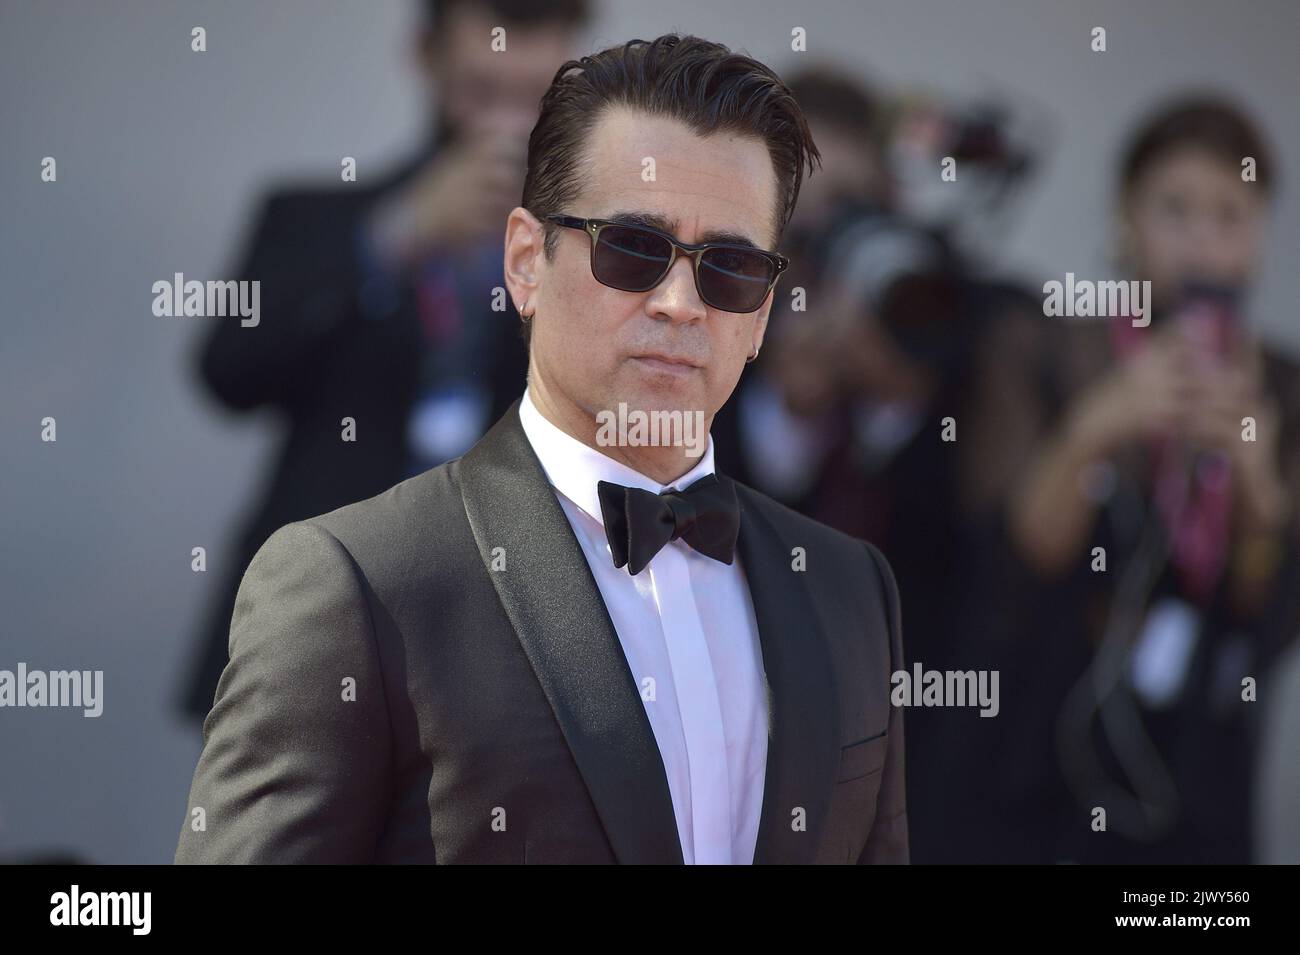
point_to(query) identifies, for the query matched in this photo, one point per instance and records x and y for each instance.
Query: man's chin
(652, 412)
(659, 393)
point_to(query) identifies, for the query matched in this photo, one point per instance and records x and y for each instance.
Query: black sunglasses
(635, 258)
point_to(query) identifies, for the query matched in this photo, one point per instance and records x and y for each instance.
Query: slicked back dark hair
(702, 84)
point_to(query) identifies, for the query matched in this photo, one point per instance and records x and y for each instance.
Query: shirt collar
(574, 468)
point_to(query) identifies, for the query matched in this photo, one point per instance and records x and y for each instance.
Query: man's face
(597, 346)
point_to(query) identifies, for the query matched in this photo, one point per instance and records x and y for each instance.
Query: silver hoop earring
(752, 357)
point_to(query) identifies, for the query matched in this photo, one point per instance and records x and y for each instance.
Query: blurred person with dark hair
(774, 435)
(1175, 449)
(844, 416)
(378, 300)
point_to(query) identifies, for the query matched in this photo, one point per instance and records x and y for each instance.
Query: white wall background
(161, 153)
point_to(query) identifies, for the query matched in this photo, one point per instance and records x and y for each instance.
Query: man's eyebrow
(655, 221)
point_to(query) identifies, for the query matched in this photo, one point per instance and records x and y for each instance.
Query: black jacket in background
(327, 346)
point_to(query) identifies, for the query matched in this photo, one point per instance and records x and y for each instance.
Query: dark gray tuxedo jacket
(391, 697)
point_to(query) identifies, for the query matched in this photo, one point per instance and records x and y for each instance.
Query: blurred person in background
(774, 435)
(844, 416)
(377, 300)
(1125, 685)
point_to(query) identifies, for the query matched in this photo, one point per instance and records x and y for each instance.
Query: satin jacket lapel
(803, 723)
(552, 600)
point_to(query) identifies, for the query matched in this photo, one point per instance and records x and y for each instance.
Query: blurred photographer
(379, 294)
(851, 413)
(1175, 449)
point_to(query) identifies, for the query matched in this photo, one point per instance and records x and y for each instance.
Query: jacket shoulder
(417, 523)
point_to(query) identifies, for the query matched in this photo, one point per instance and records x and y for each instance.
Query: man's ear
(760, 323)
(523, 258)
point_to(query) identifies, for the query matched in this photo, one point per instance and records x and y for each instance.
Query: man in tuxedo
(568, 644)
(376, 295)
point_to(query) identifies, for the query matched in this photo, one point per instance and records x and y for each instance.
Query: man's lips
(675, 363)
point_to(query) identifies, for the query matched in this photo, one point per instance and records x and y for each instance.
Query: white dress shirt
(688, 631)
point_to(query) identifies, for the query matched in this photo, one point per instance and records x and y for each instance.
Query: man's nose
(676, 297)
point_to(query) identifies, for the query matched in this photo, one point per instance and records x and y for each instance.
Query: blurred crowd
(1103, 513)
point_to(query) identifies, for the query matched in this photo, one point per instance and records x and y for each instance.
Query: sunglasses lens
(735, 280)
(636, 260)
(630, 259)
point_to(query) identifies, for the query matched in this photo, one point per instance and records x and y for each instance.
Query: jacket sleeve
(297, 747)
(887, 842)
(309, 275)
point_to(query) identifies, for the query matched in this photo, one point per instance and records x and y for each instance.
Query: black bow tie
(639, 523)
